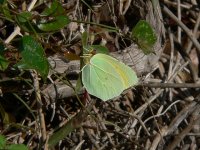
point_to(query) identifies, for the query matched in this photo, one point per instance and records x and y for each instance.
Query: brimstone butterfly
(106, 78)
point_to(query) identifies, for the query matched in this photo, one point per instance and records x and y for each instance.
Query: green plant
(102, 75)
(144, 36)
(30, 46)
(105, 77)
(33, 56)
(6, 146)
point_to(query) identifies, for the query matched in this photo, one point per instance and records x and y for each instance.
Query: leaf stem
(97, 24)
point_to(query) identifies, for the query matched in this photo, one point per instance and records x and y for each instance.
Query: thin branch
(171, 85)
(39, 102)
(195, 31)
(182, 135)
(184, 27)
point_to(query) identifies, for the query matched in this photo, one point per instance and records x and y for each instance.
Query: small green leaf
(3, 63)
(144, 36)
(33, 56)
(2, 141)
(24, 17)
(5, 10)
(17, 147)
(2, 47)
(55, 9)
(55, 24)
(25, 22)
(1, 1)
(29, 27)
(100, 49)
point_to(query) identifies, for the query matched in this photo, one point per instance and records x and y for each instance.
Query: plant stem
(93, 23)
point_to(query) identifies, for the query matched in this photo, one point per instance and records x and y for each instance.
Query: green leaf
(5, 10)
(1, 1)
(29, 27)
(24, 17)
(2, 141)
(55, 24)
(55, 9)
(17, 147)
(144, 36)
(2, 48)
(33, 56)
(3, 63)
(100, 49)
(106, 78)
(25, 22)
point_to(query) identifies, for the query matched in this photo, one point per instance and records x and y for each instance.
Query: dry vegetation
(162, 112)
